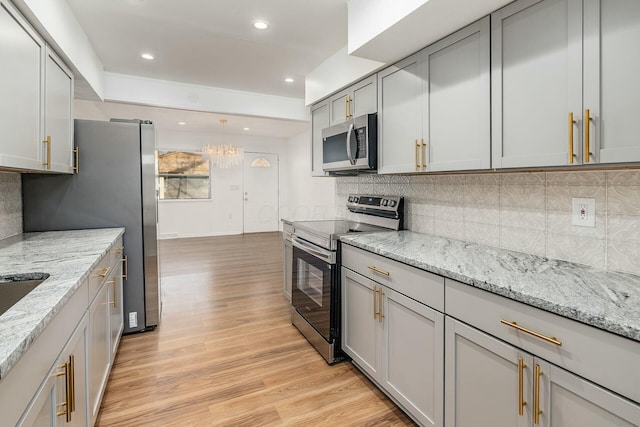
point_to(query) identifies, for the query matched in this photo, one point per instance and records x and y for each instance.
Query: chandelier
(223, 156)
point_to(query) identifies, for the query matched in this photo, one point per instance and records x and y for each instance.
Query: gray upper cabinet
(536, 82)
(21, 78)
(456, 101)
(566, 92)
(58, 115)
(356, 100)
(37, 92)
(611, 85)
(319, 121)
(434, 107)
(399, 116)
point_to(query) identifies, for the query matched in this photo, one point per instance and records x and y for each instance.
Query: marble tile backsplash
(10, 204)
(527, 212)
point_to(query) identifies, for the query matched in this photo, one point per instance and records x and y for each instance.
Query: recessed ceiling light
(182, 123)
(261, 25)
(147, 56)
(289, 80)
(246, 129)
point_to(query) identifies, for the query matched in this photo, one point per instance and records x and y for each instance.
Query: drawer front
(116, 252)
(98, 276)
(602, 357)
(420, 285)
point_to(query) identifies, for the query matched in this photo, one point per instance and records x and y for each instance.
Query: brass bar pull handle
(424, 154)
(72, 382)
(514, 325)
(125, 260)
(377, 270)
(76, 152)
(346, 108)
(521, 401)
(120, 249)
(571, 123)
(381, 305)
(114, 302)
(66, 368)
(48, 142)
(375, 302)
(587, 135)
(104, 272)
(417, 155)
(536, 396)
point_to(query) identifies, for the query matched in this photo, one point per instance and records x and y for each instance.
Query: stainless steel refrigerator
(115, 187)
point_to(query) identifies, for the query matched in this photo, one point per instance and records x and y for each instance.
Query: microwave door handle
(349, 155)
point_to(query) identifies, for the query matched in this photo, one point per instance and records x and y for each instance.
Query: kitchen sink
(14, 287)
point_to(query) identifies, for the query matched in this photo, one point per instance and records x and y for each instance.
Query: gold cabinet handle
(113, 282)
(76, 152)
(377, 270)
(536, 396)
(48, 142)
(104, 272)
(424, 154)
(514, 325)
(72, 383)
(521, 401)
(125, 260)
(346, 108)
(571, 123)
(381, 305)
(417, 156)
(66, 371)
(349, 100)
(587, 135)
(375, 302)
(120, 249)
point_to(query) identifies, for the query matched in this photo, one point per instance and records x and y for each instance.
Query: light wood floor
(227, 354)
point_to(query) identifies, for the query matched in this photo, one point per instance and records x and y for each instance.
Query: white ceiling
(167, 118)
(213, 42)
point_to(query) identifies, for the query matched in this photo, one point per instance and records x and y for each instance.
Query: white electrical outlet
(133, 319)
(583, 212)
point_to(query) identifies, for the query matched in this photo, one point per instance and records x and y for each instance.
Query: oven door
(314, 274)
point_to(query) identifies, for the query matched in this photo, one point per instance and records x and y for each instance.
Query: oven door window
(311, 293)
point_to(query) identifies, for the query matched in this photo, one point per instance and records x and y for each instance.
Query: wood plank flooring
(226, 353)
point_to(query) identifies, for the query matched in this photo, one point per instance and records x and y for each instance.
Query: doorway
(261, 192)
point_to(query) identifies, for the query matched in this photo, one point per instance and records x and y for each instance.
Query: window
(183, 175)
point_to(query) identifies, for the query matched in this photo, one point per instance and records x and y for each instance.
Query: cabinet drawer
(98, 276)
(602, 357)
(116, 252)
(424, 287)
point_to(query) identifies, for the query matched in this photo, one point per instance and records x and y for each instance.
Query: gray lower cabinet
(99, 350)
(397, 342)
(491, 383)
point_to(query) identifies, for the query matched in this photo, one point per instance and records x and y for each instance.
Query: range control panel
(370, 203)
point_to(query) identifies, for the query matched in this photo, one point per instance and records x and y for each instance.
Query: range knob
(356, 199)
(392, 203)
(350, 199)
(384, 202)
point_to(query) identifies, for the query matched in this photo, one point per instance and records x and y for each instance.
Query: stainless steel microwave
(351, 146)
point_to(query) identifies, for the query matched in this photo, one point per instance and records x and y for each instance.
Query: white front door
(261, 197)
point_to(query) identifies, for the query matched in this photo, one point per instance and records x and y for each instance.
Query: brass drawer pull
(377, 270)
(125, 260)
(48, 162)
(375, 302)
(521, 401)
(536, 398)
(120, 250)
(571, 123)
(417, 156)
(104, 272)
(587, 135)
(76, 152)
(514, 325)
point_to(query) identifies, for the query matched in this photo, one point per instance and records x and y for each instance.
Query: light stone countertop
(68, 257)
(604, 299)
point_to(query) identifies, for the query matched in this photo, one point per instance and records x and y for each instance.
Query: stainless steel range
(315, 295)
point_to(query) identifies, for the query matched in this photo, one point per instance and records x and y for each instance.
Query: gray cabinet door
(319, 121)
(364, 97)
(99, 350)
(482, 381)
(611, 85)
(59, 113)
(21, 80)
(456, 101)
(116, 314)
(536, 71)
(399, 117)
(567, 400)
(361, 329)
(339, 106)
(413, 355)
(288, 267)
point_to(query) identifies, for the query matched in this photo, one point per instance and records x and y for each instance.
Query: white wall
(222, 214)
(309, 197)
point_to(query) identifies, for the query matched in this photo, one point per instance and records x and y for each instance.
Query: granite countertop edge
(387, 244)
(21, 327)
